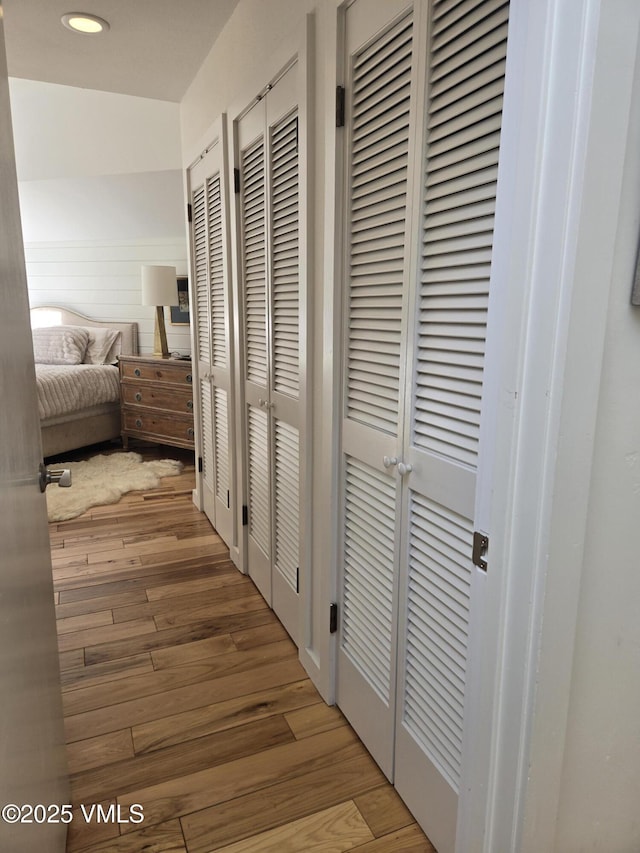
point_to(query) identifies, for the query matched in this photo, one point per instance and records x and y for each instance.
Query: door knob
(404, 468)
(61, 476)
(389, 461)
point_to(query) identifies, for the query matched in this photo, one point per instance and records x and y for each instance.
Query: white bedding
(71, 388)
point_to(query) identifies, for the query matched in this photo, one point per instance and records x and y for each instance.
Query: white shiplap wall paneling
(102, 280)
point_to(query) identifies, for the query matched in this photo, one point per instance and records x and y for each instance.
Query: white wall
(600, 783)
(66, 132)
(100, 185)
(242, 55)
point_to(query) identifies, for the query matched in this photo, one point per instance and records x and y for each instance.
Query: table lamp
(159, 288)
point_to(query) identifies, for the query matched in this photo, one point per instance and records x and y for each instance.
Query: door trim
(551, 336)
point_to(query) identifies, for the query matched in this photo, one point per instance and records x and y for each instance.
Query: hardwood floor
(183, 694)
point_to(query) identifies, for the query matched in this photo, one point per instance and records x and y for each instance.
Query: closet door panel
(274, 327)
(466, 49)
(380, 96)
(212, 309)
(286, 326)
(254, 270)
(220, 302)
(202, 319)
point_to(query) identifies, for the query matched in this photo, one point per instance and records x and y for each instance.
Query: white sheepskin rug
(103, 480)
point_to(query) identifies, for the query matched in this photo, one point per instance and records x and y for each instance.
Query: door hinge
(228, 499)
(340, 106)
(199, 464)
(480, 548)
(236, 180)
(333, 618)
(297, 579)
(245, 515)
(189, 213)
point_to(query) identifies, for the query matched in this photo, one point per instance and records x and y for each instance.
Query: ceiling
(153, 49)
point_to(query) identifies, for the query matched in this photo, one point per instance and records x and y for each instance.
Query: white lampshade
(159, 286)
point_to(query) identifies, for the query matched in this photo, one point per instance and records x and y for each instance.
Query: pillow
(60, 344)
(104, 345)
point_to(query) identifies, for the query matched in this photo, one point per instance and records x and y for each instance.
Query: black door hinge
(236, 180)
(480, 548)
(245, 515)
(297, 579)
(333, 618)
(189, 213)
(199, 464)
(228, 499)
(340, 106)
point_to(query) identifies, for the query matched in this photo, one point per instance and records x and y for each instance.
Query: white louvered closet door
(212, 307)
(274, 326)
(251, 135)
(419, 234)
(466, 50)
(286, 329)
(380, 101)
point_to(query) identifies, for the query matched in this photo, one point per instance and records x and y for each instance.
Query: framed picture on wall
(180, 312)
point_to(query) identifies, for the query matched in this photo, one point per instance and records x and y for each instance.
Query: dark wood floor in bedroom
(183, 693)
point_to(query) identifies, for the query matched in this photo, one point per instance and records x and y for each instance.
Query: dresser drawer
(156, 400)
(158, 426)
(170, 371)
(175, 399)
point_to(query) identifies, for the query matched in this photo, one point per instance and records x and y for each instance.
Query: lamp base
(160, 348)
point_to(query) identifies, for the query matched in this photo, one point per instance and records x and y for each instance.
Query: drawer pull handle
(190, 432)
(189, 377)
(138, 397)
(137, 372)
(138, 423)
(190, 404)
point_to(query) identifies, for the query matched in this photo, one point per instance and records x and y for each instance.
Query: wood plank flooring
(183, 694)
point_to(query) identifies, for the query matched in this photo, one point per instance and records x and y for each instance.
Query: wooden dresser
(156, 400)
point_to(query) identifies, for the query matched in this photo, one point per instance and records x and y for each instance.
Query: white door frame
(564, 128)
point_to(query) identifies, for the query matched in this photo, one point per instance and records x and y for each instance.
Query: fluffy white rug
(103, 480)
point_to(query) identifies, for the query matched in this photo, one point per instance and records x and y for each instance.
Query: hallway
(183, 694)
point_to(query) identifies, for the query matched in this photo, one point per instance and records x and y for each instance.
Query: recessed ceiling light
(80, 22)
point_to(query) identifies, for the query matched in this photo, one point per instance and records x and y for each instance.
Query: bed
(77, 377)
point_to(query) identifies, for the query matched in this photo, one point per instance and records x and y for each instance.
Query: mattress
(64, 389)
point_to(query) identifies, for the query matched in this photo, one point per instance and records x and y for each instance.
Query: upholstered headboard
(51, 315)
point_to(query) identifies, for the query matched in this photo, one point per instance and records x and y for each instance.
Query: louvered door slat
(221, 423)
(286, 508)
(216, 274)
(368, 574)
(436, 658)
(258, 461)
(254, 261)
(200, 268)
(457, 242)
(207, 439)
(469, 58)
(378, 167)
(469, 22)
(285, 256)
